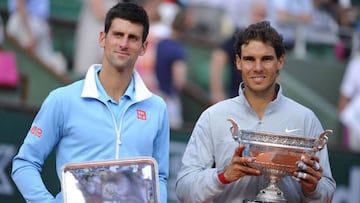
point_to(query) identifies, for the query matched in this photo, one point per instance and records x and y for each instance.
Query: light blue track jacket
(78, 123)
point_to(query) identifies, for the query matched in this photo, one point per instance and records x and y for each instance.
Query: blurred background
(319, 52)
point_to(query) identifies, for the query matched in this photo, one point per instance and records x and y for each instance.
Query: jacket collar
(90, 90)
(275, 102)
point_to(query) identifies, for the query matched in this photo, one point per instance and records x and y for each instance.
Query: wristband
(222, 178)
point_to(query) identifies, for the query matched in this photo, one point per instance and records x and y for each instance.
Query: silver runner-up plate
(112, 181)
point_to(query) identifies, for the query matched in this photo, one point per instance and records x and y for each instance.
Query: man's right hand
(239, 166)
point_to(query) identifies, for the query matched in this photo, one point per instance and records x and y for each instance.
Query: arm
(24, 16)
(198, 179)
(348, 83)
(284, 15)
(39, 142)
(196, 168)
(343, 102)
(319, 186)
(218, 63)
(161, 155)
(98, 8)
(179, 74)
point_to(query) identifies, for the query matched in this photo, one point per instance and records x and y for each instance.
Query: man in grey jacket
(213, 167)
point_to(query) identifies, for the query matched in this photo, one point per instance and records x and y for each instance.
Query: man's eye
(248, 59)
(267, 59)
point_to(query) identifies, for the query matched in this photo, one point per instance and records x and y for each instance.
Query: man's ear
(280, 65)
(102, 36)
(144, 47)
(238, 62)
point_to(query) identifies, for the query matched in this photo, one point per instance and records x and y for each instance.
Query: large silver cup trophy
(276, 156)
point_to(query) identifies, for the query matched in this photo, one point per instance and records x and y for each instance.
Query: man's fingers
(239, 150)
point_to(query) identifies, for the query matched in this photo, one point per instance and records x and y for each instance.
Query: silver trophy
(276, 155)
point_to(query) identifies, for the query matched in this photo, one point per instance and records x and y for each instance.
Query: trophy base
(271, 194)
(257, 201)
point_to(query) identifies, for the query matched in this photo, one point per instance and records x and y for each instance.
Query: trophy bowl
(276, 156)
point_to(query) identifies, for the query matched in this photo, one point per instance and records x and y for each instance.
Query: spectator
(28, 25)
(322, 24)
(214, 168)
(108, 115)
(343, 12)
(323, 27)
(171, 67)
(89, 26)
(290, 18)
(146, 63)
(235, 10)
(223, 57)
(346, 16)
(349, 102)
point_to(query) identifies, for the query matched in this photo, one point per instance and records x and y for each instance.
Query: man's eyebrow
(268, 56)
(116, 32)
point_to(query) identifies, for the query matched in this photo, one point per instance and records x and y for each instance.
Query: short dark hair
(131, 12)
(261, 31)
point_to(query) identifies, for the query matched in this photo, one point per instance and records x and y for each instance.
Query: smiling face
(122, 44)
(259, 66)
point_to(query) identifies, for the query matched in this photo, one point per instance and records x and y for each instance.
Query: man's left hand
(309, 172)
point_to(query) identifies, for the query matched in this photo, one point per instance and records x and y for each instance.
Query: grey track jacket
(211, 144)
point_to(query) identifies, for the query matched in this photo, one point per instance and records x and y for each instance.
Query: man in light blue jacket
(108, 115)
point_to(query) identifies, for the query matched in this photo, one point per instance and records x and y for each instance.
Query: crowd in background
(29, 25)
(173, 22)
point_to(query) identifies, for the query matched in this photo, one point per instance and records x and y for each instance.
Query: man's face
(122, 44)
(259, 66)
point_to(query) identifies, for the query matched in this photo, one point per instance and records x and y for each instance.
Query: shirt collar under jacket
(271, 106)
(90, 89)
(129, 92)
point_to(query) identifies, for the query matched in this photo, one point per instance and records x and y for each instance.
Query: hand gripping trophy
(276, 155)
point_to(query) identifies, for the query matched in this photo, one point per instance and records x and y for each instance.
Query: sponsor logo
(291, 130)
(36, 131)
(141, 114)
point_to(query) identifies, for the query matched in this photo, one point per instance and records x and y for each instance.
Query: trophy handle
(323, 140)
(234, 129)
